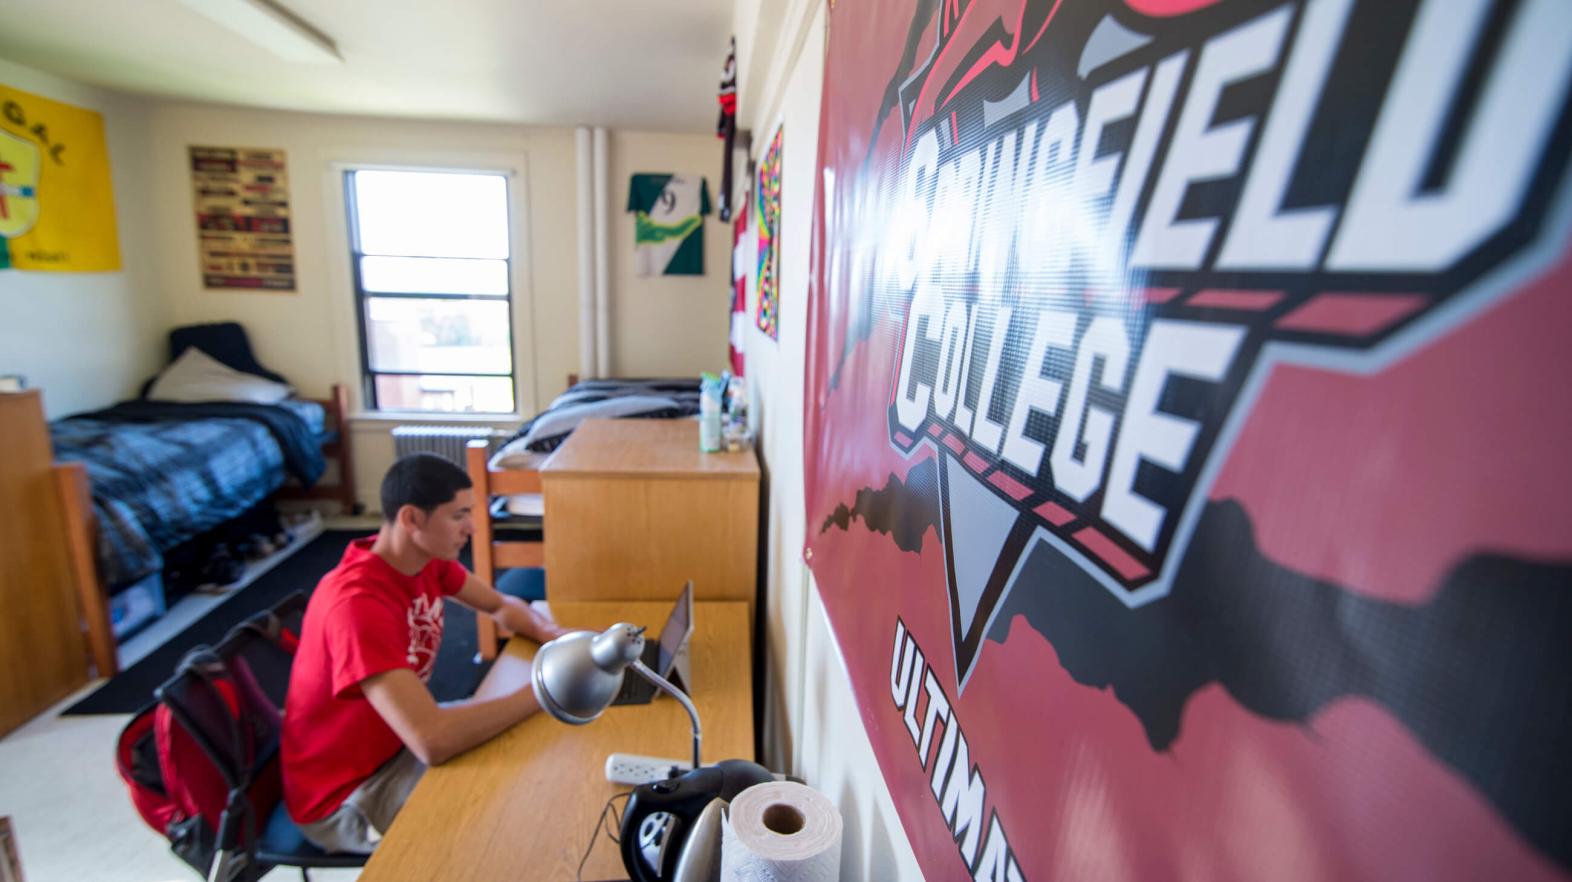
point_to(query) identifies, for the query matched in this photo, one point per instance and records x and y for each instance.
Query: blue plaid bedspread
(156, 484)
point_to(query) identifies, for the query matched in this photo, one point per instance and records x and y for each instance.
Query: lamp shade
(577, 675)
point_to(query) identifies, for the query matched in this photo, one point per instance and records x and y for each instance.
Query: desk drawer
(618, 538)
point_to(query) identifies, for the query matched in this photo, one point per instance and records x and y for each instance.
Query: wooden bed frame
(336, 420)
(75, 493)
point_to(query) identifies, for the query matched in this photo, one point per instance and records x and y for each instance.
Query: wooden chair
(495, 549)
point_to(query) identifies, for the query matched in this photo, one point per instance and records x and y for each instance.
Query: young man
(360, 727)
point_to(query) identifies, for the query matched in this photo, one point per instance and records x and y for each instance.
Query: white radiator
(447, 442)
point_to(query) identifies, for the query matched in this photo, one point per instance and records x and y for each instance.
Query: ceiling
(622, 63)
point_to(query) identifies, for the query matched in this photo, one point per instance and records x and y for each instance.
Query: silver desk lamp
(577, 675)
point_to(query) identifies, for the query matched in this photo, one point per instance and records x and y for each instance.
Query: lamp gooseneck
(687, 705)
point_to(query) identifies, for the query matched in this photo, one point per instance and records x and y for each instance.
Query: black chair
(247, 671)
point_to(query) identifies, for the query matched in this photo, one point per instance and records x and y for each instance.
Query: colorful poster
(742, 270)
(767, 220)
(1187, 428)
(668, 223)
(242, 209)
(57, 204)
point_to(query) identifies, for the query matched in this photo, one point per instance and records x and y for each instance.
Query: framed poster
(668, 223)
(767, 221)
(1186, 471)
(57, 203)
(242, 211)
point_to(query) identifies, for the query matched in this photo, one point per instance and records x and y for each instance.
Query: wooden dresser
(634, 510)
(42, 654)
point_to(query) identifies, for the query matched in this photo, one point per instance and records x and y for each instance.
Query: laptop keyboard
(635, 689)
(633, 686)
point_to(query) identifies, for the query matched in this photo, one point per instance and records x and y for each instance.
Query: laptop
(666, 656)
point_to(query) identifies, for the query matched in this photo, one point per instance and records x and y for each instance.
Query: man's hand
(509, 612)
(550, 630)
(524, 619)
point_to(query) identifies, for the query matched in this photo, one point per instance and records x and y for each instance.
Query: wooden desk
(523, 805)
(634, 510)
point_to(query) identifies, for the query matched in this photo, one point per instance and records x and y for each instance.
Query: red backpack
(173, 784)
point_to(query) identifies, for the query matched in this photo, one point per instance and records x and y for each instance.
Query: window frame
(369, 374)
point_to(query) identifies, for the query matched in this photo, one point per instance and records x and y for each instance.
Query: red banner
(1186, 435)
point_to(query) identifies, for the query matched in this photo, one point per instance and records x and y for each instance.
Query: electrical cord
(600, 824)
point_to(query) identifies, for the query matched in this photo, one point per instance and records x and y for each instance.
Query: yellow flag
(57, 207)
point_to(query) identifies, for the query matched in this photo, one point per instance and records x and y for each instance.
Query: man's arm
(509, 612)
(435, 733)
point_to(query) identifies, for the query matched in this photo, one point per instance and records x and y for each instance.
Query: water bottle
(710, 391)
(734, 426)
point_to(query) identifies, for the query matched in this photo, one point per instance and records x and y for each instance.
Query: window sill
(404, 418)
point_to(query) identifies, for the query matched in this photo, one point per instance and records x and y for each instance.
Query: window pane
(446, 336)
(451, 394)
(436, 214)
(433, 275)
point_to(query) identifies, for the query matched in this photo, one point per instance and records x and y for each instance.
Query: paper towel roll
(781, 832)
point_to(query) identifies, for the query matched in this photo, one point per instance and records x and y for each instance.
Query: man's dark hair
(422, 480)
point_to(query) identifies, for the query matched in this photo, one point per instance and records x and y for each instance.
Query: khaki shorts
(358, 824)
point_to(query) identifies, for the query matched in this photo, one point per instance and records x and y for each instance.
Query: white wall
(667, 326)
(659, 325)
(811, 723)
(310, 335)
(89, 339)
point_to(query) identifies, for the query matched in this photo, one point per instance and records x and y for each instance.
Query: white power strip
(631, 768)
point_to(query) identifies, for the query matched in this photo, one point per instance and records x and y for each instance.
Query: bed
(146, 475)
(598, 399)
(163, 473)
(510, 528)
(140, 479)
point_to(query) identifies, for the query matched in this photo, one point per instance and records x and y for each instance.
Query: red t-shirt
(365, 618)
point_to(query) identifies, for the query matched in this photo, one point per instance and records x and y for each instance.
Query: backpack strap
(233, 860)
(207, 666)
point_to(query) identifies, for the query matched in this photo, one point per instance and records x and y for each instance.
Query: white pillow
(196, 376)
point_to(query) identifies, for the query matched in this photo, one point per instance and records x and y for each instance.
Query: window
(432, 289)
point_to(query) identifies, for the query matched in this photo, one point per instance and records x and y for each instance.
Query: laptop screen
(679, 625)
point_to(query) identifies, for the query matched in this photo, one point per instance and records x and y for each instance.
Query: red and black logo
(1112, 222)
